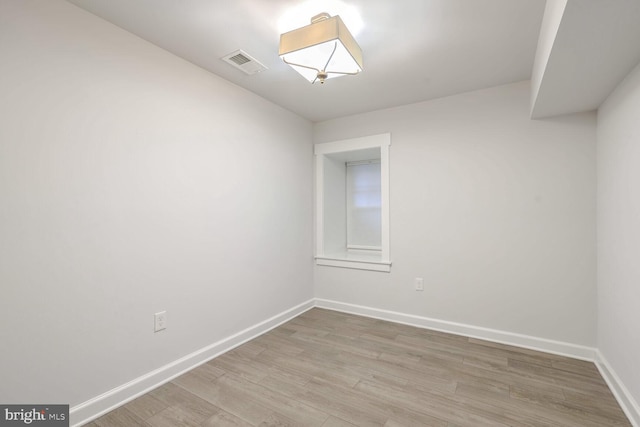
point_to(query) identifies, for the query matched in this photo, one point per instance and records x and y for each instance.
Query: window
(364, 205)
(352, 203)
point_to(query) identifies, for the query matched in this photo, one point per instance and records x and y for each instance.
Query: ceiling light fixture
(321, 50)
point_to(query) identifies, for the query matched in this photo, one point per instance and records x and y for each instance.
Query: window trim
(362, 260)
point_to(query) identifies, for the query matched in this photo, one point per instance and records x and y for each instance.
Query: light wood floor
(332, 369)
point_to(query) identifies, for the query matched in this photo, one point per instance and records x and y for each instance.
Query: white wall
(132, 182)
(495, 211)
(619, 232)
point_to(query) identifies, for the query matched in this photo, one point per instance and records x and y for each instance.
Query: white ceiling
(414, 50)
(595, 46)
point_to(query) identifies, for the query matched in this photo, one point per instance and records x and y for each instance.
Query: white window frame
(339, 255)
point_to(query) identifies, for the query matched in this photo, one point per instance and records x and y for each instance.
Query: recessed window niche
(352, 203)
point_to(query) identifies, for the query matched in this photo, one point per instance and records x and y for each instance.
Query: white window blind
(364, 202)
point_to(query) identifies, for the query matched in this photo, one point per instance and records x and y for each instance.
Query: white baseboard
(624, 398)
(628, 404)
(519, 340)
(93, 408)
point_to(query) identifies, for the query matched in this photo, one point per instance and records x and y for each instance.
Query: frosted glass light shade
(309, 50)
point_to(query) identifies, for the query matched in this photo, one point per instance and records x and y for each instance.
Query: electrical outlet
(160, 321)
(419, 284)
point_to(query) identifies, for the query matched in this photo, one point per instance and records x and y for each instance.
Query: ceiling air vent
(243, 61)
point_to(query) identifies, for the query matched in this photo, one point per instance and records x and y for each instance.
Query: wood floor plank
(276, 343)
(121, 417)
(146, 406)
(309, 366)
(224, 419)
(404, 369)
(179, 415)
(337, 422)
(280, 404)
(173, 395)
(234, 401)
(331, 369)
(251, 369)
(432, 404)
(607, 405)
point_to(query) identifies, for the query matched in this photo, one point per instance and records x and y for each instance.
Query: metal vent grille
(239, 59)
(243, 61)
